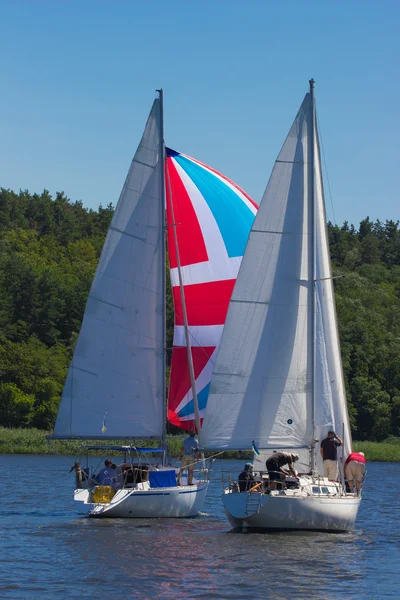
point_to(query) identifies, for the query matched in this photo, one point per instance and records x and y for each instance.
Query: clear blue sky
(78, 79)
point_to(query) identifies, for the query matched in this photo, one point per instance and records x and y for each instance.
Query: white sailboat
(116, 383)
(278, 379)
(115, 388)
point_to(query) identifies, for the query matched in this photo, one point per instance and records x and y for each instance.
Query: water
(47, 551)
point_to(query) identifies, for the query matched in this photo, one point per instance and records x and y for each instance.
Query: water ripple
(46, 550)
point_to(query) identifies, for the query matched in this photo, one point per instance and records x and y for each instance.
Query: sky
(78, 79)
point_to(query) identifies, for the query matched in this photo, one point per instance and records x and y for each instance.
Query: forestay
(115, 383)
(264, 382)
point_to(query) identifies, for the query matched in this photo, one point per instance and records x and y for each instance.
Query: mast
(314, 275)
(164, 270)
(184, 313)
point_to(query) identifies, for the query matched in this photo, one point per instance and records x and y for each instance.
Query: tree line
(49, 249)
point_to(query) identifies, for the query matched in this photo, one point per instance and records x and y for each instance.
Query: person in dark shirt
(188, 455)
(246, 478)
(274, 466)
(328, 451)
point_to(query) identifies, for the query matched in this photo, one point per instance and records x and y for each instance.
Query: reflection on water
(168, 559)
(46, 550)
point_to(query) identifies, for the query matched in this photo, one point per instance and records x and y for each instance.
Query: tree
(396, 416)
(370, 251)
(15, 406)
(365, 228)
(373, 409)
(49, 249)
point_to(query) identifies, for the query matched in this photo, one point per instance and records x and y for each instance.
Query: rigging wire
(336, 233)
(326, 170)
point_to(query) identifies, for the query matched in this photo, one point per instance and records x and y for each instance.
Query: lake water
(48, 551)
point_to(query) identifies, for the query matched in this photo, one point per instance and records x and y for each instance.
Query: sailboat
(115, 386)
(278, 383)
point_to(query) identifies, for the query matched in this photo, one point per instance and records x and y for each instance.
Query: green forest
(49, 250)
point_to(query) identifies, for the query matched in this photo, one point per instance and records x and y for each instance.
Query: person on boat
(188, 455)
(246, 478)
(274, 466)
(107, 476)
(328, 451)
(354, 469)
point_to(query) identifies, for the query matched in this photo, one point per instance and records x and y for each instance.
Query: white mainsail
(115, 386)
(278, 378)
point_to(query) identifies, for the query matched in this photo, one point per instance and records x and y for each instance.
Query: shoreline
(33, 441)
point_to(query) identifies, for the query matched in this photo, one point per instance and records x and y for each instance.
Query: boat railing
(322, 487)
(201, 474)
(230, 482)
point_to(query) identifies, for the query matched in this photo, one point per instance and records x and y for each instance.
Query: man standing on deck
(188, 455)
(328, 451)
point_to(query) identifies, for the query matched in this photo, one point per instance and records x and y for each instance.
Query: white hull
(176, 502)
(289, 512)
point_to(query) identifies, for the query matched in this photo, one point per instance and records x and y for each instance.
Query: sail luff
(164, 258)
(314, 275)
(184, 311)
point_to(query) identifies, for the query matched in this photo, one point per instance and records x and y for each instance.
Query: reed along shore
(33, 441)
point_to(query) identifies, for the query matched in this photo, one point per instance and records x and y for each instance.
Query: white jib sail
(262, 386)
(115, 385)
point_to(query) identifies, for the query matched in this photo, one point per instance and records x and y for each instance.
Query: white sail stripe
(200, 335)
(202, 380)
(228, 184)
(204, 272)
(214, 242)
(192, 416)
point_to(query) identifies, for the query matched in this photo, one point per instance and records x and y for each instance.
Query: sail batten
(115, 383)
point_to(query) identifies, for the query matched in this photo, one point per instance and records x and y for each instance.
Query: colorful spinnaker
(213, 219)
